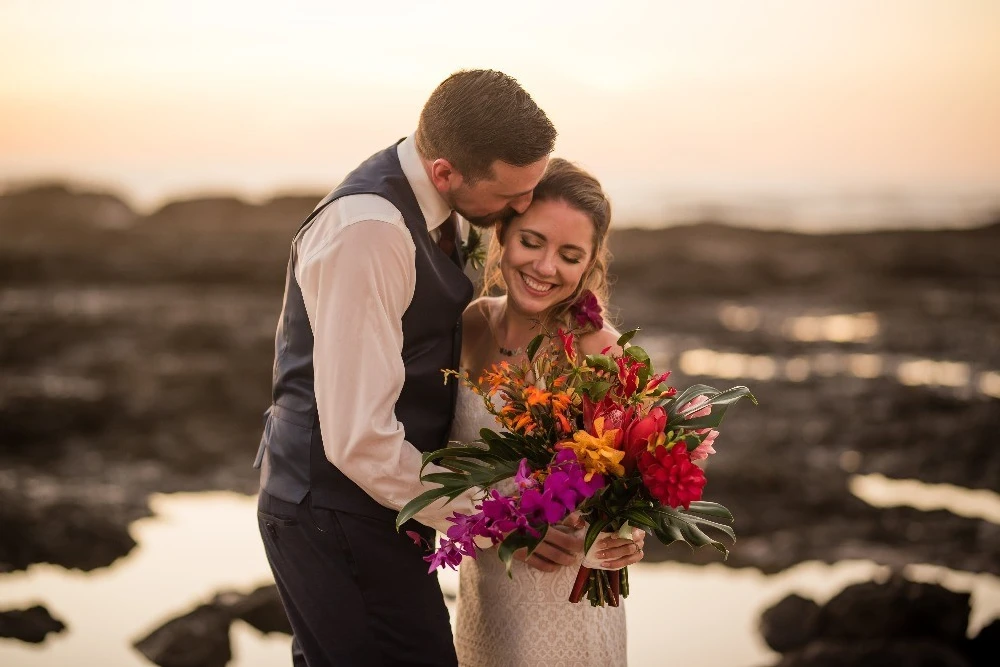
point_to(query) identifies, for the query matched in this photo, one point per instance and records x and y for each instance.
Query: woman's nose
(545, 265)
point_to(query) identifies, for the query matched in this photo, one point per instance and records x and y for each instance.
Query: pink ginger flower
(705, 448)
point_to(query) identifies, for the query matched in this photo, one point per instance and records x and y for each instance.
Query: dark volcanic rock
(896, 609)
(899, 622)
(36, 211)
(29, 625)
(199, 638)
(64, 532)
(984, 648)
(790, 624)
(262, 609)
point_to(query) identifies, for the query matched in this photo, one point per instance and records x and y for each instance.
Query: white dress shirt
(357, 272)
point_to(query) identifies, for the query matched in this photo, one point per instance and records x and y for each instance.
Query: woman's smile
(538, 286)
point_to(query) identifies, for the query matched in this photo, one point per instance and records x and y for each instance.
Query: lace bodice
(527, 620)
(471, 416)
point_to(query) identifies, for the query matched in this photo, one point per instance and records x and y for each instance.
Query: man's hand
(561, 546)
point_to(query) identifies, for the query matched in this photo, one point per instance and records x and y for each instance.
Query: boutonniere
(473, 250)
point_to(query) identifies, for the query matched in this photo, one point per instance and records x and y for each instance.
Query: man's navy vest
(291, 449)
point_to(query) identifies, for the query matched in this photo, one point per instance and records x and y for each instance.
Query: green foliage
(624, 339)
(533, 346)
(472, 468)
(518, 540)
(720, 401)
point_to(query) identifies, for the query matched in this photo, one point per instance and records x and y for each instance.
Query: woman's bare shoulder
(596, 342)
(476, 318)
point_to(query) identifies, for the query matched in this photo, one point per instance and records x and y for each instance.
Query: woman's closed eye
(533, 243)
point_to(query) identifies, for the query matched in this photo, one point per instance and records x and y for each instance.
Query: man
(372, 309)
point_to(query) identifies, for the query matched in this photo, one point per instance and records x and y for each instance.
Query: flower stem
(614, 582)
(582, 577)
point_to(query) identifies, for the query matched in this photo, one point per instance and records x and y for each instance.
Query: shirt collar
(433, 206)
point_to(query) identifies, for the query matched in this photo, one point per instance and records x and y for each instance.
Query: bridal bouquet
(602, 435)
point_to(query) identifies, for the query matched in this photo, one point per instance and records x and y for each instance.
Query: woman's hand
(616, 553)
(558, 549)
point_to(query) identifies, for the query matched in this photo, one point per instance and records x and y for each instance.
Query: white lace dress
(527, 620)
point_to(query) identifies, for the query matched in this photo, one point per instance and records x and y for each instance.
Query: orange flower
(523, 421)
(535, 396)
(597, 454)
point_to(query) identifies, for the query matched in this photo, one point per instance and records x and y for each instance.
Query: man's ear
(444, 176)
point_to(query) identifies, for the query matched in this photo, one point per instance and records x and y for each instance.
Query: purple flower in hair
(587, 311)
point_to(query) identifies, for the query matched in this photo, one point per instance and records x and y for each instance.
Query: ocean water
(200, 543)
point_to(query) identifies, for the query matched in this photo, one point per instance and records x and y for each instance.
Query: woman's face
(545, 254)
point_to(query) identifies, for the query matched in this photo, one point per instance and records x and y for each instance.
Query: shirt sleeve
(356, 286)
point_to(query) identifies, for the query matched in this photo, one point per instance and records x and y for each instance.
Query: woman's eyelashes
(532, 244)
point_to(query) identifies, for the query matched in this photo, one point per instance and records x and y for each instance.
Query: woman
(543, 261)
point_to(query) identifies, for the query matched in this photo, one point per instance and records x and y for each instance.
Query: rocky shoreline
(897, 622)
(136, 350)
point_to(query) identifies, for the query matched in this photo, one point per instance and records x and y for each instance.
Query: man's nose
(521, 204)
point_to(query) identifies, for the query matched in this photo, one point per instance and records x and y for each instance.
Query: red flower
(638, 435)
(567, 342)
(655, 382)
(587, 310)
(671, 476)
(628, 374)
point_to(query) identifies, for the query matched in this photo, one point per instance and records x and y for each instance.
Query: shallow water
(199, 543)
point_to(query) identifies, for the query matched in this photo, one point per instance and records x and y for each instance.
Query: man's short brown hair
(475, 117)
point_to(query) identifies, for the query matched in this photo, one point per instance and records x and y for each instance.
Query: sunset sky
(159, 97)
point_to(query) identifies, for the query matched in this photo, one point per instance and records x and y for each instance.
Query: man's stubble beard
(491, 219)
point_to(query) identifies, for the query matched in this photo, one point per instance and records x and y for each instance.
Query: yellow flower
(597, 454)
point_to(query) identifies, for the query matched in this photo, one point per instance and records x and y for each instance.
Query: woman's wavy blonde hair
(563, 181)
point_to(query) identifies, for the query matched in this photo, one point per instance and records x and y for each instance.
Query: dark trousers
(356, 592)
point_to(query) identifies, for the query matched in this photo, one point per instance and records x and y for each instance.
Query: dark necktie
(448, 231)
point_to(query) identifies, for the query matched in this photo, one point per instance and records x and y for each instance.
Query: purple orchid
(450, 553)
(466, 529)
(523, 478)
(548, 502)
(565, 462)
(542, 507)
(504, 516)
